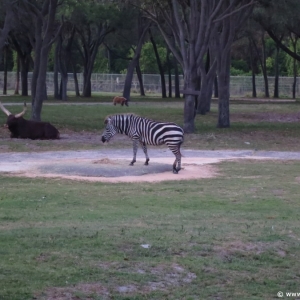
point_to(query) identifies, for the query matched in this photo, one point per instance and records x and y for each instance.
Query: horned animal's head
(10, 117)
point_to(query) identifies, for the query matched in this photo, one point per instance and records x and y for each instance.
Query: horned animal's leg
(146, 153)
(135, 147)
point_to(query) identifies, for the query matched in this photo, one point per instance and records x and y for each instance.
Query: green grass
(237, 233)
(235, 236)
(263, 126)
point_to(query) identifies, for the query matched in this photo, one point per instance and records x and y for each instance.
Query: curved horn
(7, 112)
(21, 113)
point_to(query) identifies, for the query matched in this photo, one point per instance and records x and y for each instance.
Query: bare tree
(8, 23)
(43, 30)
(143, 26)
(195, 27)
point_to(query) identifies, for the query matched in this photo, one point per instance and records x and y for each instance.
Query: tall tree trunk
(190, 80)
(264, 67)
(55, 72)
(295, 78)
(295, 72)
(216, 87)
(25, 62)
(169, 74)
(224, 93)
(133, 63)
(77, 92)
(160, 67)
(140, 78)
(17, 84)
(177, 80)
(5, 59)
(208, 74)
(276, 83)
(8, 23)
(44, 36)
(254, 94)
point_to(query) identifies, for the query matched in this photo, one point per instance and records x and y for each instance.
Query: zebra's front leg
(135, 148)
(146, 153)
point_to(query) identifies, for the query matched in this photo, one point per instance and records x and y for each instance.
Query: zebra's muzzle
(103, 139)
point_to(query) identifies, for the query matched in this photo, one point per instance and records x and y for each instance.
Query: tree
(8, 17)
(43, 29)
(63, 57)
(159, 64)
(93, 21)
(20, 42)
(191, 28)
(142, 28)
(278, 18)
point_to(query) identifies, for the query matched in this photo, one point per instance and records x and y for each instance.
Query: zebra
(144, 131)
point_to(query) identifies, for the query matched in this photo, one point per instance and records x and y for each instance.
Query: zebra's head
(110, 130)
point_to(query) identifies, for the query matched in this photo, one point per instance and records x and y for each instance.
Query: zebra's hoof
(175, 171)
(131, 164)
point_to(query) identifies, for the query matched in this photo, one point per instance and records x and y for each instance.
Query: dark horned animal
(27, 129)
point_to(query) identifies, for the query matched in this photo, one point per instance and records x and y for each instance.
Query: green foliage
(290, 60)
(101, 62)
(148, 61)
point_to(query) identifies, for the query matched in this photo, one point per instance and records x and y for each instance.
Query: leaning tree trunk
(133, 63)
(77, 92)
(160, 67)
(140, 78)
(207, 81)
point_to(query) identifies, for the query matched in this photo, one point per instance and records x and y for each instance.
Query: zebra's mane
(126, 114)
(131, 114)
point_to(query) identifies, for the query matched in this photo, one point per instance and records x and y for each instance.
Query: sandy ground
(112, 165)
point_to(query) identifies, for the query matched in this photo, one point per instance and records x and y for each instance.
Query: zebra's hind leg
(146, 153)
(177, 162)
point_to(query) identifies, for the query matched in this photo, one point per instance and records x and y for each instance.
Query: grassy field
(254, 125)
(235, 236)
(232, 237)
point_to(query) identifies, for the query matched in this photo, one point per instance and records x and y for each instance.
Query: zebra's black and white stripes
(144, 131)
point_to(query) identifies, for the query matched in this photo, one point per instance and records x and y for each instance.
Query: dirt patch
(162, 277)
(111, 164)
(238, 248)
(119, 171)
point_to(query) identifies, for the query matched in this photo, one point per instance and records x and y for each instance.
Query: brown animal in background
(120, 100)
(27, 129)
